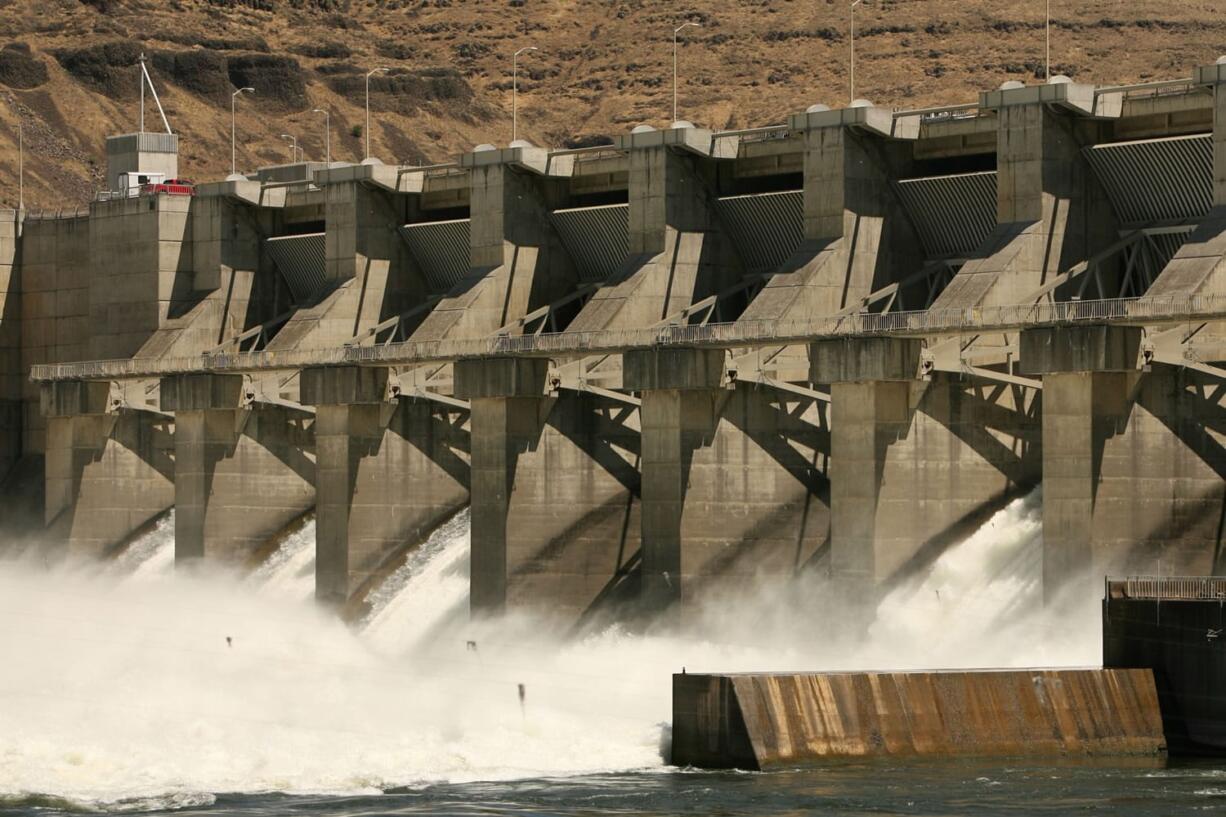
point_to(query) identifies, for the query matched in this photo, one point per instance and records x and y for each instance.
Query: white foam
(290, 571)
(117, 691)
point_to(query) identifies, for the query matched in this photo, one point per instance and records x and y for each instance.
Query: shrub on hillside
(278, 81)
(21, 69)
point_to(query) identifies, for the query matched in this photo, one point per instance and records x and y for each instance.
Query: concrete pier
(110, 469)
(243, 470)
(388, 472)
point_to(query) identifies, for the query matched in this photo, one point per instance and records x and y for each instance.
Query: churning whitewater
(166, 690)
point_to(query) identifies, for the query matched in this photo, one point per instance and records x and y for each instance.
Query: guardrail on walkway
(738, 334)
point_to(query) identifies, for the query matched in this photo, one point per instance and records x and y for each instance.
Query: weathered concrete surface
(758, 721)
(517, 261)
(1051, 212)
(914, 463)
(241, 473)
(734, 489)
(387, 473)
(1134, 474)
(106, 476)
(857, 237)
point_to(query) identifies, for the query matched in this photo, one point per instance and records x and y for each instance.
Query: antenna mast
(145, 78)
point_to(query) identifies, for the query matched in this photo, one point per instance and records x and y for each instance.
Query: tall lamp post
(233, 140)
(677, 31)
(327, 134)
(1047, 63)
(293, 146)
(21, 166)
(369, 74)
(515, 89)
(852, 80)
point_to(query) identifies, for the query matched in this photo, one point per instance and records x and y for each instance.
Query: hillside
(67, 69)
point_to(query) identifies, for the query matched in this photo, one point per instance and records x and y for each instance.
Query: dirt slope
(66, 68)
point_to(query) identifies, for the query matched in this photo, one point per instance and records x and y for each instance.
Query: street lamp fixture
(233, 140)
(369, 74)
(677, 31)
(327, 134)
(293, 146)
(515, 89)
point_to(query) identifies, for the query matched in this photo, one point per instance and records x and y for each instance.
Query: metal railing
(738, 334)
(968, 110)
(1173, 588)
(1143, 89)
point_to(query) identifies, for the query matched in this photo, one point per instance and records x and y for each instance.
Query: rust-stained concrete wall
(757, 721)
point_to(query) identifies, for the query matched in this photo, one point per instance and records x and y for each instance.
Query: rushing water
(136, 689)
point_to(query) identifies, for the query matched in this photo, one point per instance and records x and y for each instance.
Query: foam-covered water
(151, 556)
(169, 691)
(427, 594)
(290, 571)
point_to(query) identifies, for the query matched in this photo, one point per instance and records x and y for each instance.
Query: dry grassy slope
(604, 66)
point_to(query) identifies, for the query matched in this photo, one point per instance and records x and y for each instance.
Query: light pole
(515, 89)
(327, 134)
(293, 146)
(233, 140)
(21, 166)
(852, 81)
(1047, 64)
(677, 31)
(369, 74)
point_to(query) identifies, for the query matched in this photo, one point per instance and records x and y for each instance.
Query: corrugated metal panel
(143, 142)
(1156, 179)
(441, 250)
(300, 258)
(952, 214)
(767, 227)
(595, 237)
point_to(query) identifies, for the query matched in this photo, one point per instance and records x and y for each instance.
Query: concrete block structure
(657, 369)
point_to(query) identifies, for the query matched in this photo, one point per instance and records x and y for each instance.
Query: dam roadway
(656, 369)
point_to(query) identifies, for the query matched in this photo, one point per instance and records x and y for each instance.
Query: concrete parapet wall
(1053, 349)
(685, 369)
(759, 721)
(859, 360)
(504, 377)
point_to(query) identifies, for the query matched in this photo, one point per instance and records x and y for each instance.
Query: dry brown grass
(604, 66)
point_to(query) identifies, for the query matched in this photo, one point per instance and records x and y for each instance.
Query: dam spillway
(652, 370)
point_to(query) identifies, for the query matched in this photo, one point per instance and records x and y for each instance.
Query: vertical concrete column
(108, 469)
(679, 389)
(243, 472)
(350, 404)
(870, 410)
(1088, 373)
(1050, 210)
(508, 408)
(1215, 77)
(667, 196)
(517, 261)
(388, 471)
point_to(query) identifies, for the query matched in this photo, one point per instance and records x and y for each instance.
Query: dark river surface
(952, 787)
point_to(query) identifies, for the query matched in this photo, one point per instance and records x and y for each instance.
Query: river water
(135, 689)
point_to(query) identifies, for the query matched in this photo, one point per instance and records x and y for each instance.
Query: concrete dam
(652, 370)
